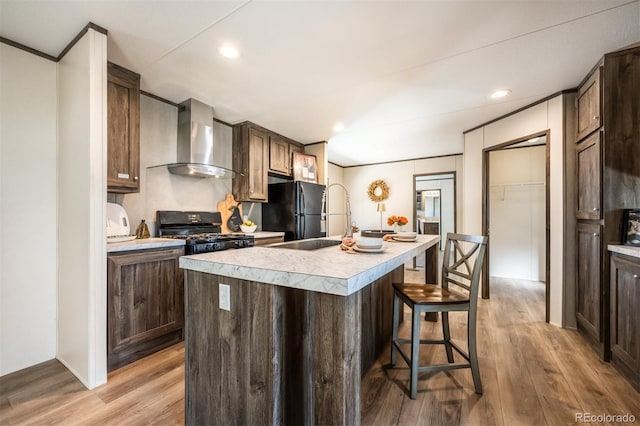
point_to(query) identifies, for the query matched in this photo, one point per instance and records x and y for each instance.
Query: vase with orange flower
(398, 222)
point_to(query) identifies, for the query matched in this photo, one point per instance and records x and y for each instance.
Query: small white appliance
(118, 228)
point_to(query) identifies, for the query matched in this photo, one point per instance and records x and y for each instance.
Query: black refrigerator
(294, 207)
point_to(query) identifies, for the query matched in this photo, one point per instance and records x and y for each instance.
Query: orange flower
(400, 220)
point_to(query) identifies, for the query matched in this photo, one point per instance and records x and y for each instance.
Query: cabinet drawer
(589, 175)
(588, 106)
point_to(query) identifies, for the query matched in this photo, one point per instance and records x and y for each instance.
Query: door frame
(486, 212)
(455, 194)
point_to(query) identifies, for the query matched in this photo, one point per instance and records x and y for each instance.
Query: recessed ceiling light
(229, 52)
(338, 127)
(500, 93)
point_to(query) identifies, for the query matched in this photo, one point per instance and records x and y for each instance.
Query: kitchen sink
(307, 244)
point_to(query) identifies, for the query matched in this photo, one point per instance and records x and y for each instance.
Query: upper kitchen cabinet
(123, 120)
(258, 152)
(607, 182)
(251, 158)
(280, 154)
(588, 105)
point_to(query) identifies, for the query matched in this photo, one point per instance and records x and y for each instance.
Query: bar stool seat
(461, 269)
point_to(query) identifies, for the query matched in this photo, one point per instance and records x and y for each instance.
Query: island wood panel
(377, 316)
(282, 355)
(336, 358)
(232, 365)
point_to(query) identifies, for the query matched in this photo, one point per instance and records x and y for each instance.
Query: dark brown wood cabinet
(625, 316)
(258, 152)
(279, 155)
(588, 165)
(607, 182)
(123, 134)
(145, 303)
(269, 240)
(588, 105)
(588, 310)
(251, 158)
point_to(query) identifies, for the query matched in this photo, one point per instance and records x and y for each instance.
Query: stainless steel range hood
(204, 145)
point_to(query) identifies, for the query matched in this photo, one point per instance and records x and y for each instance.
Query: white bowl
(407, 234)
(369, 243)
(248, 229)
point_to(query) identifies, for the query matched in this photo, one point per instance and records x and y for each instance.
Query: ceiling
(406, 78)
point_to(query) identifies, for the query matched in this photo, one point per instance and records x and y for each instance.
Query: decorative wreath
(373, 189)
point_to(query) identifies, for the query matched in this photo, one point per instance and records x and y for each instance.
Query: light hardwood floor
(533, 374)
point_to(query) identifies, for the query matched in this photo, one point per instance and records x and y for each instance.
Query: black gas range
(200, 230)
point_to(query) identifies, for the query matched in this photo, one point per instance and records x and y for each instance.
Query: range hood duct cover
(204, 145)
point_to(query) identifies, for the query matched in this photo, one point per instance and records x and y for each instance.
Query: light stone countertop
(628, 250)
(327, 270)
(266, 234)
(144, 244)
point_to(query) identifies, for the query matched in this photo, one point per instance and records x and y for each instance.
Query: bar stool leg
(415, 351)
(473, 352)
(397, 305)
(446, 333)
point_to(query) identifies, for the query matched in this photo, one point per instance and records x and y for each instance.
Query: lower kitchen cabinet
(145, 303)
(625, 316)
(592, 295)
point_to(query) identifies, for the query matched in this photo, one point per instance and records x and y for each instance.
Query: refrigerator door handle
(304, 208)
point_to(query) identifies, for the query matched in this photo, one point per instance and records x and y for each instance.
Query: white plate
(120, 238)
(405, 239)
(363, 250)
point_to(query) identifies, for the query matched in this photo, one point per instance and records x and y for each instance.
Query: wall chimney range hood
(204, 146)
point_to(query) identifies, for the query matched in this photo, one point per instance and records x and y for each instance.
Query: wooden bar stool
(460, 269)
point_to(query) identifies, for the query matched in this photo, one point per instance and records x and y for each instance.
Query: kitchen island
(296, 334)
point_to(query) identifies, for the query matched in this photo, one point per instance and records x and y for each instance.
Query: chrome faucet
(323, 213)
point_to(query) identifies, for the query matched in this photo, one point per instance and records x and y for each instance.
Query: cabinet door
(123, 134)
(588, 167)
(588, 300)
(625, 316)
(145, 303)
(588, 105)
(258, 164)
(279, 157)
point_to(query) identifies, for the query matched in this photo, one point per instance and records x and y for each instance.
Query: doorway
(515, 213)
(434, 205)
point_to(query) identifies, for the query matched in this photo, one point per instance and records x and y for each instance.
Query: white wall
(159, 189)
(399, 177)
(539, 118)
(517, 216)
(336, 224)
(28, 209)
(82, 137)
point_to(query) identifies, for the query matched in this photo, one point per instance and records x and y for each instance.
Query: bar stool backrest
(462, 262)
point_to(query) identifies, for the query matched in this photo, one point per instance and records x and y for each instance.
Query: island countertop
(327, 270)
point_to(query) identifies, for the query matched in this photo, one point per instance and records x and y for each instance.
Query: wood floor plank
(533, 373)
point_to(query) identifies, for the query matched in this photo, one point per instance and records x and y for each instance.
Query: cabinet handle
(595, 235)
(596, 117)
(135, 178)
(635, 276)
(595, 209)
